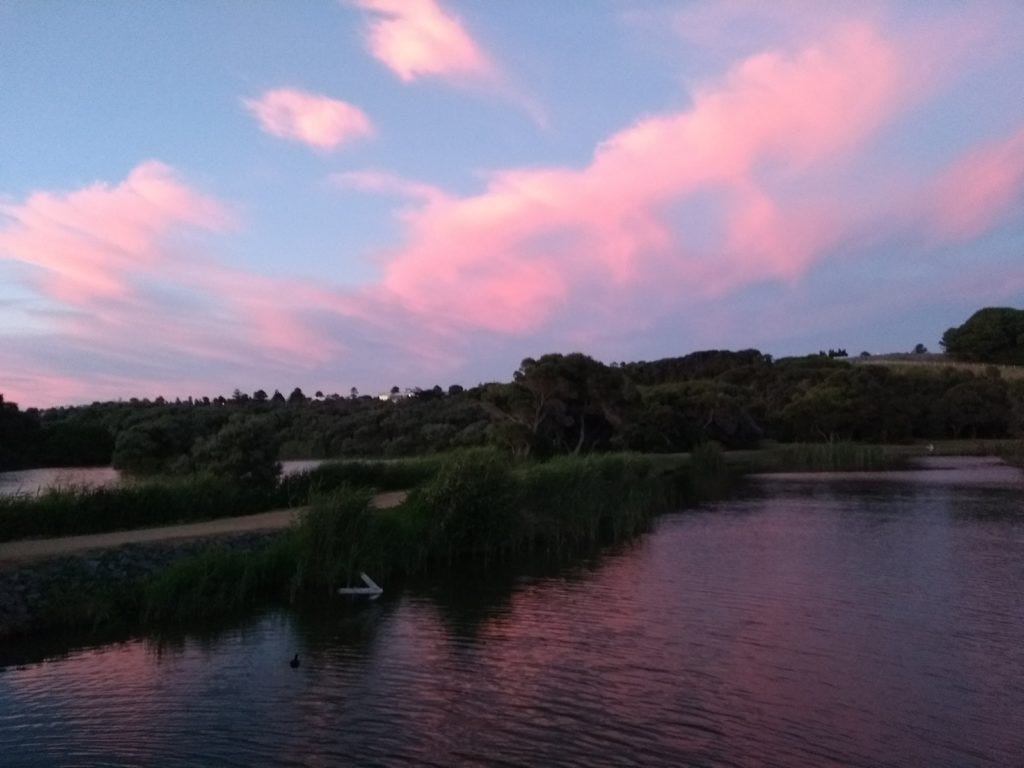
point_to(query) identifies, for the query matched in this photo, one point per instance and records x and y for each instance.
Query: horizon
(928, 356)
(196, 199)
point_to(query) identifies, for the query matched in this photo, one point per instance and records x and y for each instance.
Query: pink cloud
(536, 240)
(386, 183)
(416, 38)
(86, 243)
(125, 294)
(981, 189)
(315, 120)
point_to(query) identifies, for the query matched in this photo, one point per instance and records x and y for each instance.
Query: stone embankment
(28, 588)
(37, 574)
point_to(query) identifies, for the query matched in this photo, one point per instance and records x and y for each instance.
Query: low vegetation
(78, 510)
(478, 509)
(824, 457)
(74, 510)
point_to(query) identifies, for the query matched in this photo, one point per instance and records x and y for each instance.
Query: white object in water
(372, 590)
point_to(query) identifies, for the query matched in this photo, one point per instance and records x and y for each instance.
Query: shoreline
(23, 551)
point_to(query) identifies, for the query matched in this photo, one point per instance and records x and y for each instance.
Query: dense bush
(990, 335)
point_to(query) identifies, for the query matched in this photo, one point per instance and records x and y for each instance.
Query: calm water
(870, 621)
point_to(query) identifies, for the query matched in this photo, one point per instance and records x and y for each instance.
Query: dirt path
(36, 549)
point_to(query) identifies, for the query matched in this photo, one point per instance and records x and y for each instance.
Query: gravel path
(37, 549)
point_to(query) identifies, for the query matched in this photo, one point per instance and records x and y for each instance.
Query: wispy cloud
(767, 180)
(534, 240)
(416, 38)
(85, 244)
(387, 183)
(315, 120)
(981, 188)
(129, 298)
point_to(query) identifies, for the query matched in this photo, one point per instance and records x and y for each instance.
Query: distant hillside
(909, 361)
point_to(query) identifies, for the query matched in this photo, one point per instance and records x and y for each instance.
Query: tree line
(554, 404)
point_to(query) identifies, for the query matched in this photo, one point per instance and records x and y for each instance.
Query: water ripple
(810, 626)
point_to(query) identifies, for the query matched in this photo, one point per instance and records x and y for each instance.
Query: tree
(558, 403)
(277, 397)
(920, 349)
(297, 396)
(977, 408)
(990, 335)
(260, 396)
(244, 450)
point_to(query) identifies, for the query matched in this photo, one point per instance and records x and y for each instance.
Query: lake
(816, 620)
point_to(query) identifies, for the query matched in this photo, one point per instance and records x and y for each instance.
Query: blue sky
(197, 197)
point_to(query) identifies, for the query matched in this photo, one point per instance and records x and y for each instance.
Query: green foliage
(977, 407)
(18, 434)
(675, 417)
(480, 508)
(830, 457)
(381, 475)
(337, 537)
(559, 404)
(244, 450)
(32, 439)
(470, 509)
(556, 404)
(477, 509)
(72, 511)
(76, 600)
(218, 582)
(990, 335)
(151, 446)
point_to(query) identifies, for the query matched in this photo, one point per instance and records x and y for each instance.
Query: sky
(203, 196)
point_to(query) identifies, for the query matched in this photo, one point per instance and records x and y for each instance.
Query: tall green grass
(477, 508)
(218, 582)
(70, 511)
(76, 510)
(337, 537)
(389, 475)
(826, 457)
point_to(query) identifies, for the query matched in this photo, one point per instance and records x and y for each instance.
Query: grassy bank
(821, 457)
(381, 475)
(936, 363)
(476, 510)
(74, 510)
(71, 511)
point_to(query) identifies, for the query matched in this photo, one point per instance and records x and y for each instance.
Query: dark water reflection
(818, 621)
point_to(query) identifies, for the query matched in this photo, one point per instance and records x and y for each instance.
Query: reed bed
(828, 457)
(382, 475)
(476, 509)
(218, 582)
(74, 510)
